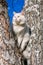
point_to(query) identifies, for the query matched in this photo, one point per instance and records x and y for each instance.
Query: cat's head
(19, 18)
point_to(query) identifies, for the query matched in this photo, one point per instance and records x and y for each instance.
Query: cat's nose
(18, 20)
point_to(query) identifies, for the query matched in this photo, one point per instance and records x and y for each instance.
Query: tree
(10, 51)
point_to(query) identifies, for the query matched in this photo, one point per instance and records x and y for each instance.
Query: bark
(10, 54)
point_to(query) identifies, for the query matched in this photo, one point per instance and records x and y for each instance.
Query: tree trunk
(10, 54)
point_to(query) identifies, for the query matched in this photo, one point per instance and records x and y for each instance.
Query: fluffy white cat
(26, 38)
(22, 31)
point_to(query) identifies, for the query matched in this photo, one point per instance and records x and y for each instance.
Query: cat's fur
(22, 31)
(26, 41)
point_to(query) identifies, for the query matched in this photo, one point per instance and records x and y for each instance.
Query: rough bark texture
(41, 8)
(10, 54)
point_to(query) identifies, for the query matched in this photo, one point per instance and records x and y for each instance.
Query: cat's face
(18, 22)
(19, 18)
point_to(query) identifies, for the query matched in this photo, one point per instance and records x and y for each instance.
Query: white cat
(22, 31)
(26, 38)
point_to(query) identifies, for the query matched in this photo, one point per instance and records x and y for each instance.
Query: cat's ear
(22, 12)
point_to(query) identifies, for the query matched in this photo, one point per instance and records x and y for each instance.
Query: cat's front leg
(25, 40)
